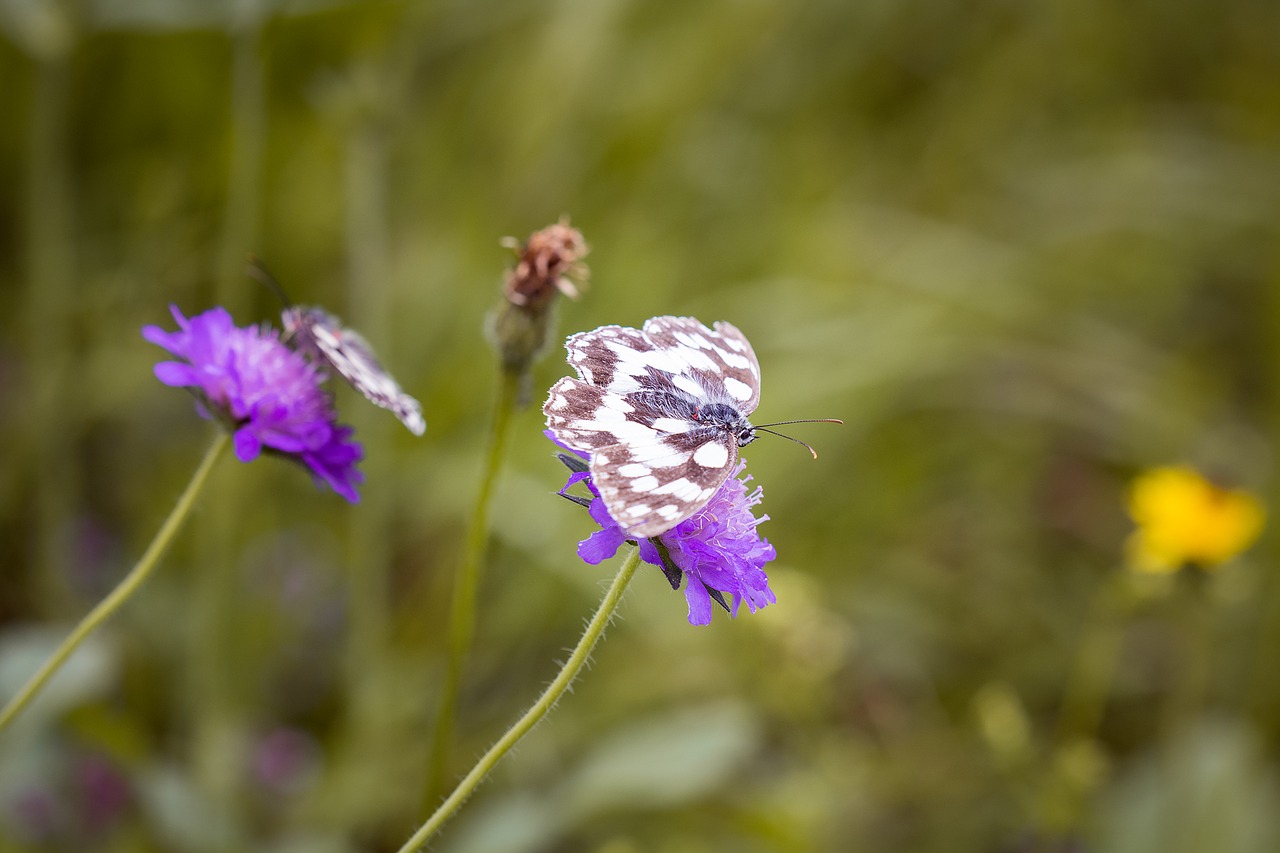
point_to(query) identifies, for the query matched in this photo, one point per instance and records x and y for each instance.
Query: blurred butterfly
(321, 337)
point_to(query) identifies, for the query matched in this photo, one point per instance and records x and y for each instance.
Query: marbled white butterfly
(662, 412)
(320, 336)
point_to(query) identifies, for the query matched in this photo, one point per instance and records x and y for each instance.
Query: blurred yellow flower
(1183, 518)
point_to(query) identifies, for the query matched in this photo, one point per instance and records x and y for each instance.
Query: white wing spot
(688, 385)
(693, 358)
(681, 489)
(738, 390)
(713, 454)
(671, 425)
(659, 452)
(691, 340)
(644, 484)
(669, 511)
(634, 469)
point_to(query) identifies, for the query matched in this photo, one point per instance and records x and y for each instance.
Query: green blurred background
(1024, 250)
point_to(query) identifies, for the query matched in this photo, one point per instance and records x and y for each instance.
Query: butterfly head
(729, 419)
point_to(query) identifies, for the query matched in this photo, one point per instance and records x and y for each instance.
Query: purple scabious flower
(717, 550)
(269, 395)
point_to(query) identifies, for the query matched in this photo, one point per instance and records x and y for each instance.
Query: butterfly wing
(321, 335)
(721, 359)
(634, 410)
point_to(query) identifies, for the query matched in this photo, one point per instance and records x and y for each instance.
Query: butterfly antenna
(764, 428)
(257, 270)
(805, 421)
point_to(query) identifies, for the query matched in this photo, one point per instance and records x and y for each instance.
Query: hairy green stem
(462, 611)
(535, 713)
(118, 596)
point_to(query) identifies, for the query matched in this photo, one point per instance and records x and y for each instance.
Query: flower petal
(601, 545)
(699, 601)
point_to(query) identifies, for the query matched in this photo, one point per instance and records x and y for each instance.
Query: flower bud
(549, 262)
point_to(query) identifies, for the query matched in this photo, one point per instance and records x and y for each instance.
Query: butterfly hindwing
(650, 489)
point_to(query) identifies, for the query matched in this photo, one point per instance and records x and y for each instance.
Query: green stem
(1089, 684)
(1187, 697)
(462, 611)
(50, 349)
(240, 224)
(369, 543)
(539, 709)
(109, 605)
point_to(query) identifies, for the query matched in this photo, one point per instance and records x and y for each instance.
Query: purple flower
(269, 395)
(717, 550)
(286, 760)
(104, 792)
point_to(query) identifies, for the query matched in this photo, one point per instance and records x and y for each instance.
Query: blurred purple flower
(717, 550)
(34, 814)
(104, 792)
(269, 395)
(286, 760)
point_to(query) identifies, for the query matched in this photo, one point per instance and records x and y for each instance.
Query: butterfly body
(726, 417)
(662, 412)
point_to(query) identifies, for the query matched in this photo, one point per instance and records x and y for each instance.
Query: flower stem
(109, 605)
(49, 349)
(1186, 698)
(242, 217)
(539, 709)
(1089, 683)
(462, 611)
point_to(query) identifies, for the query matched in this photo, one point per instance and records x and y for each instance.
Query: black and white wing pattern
(661, 411)
(320, 336)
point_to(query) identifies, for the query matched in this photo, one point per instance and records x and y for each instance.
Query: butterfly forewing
(722, 358)
(322, 337)
(638, 411)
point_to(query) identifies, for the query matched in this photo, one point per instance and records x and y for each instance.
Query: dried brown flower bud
(549, 261)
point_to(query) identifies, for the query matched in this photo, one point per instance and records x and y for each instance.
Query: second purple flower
(268, 395)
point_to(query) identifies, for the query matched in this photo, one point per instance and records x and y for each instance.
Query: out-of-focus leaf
(90, 670)
(664, 760)
(183, 815)
(519, 822)
(1212, 790)
(310, 843)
